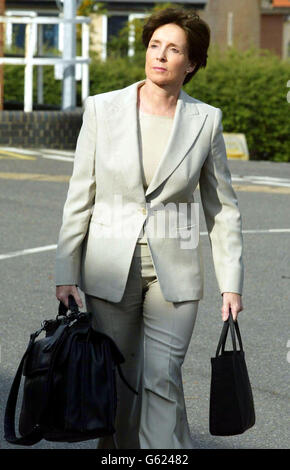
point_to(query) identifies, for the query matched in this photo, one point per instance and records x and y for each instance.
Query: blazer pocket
(99, 220)
(184, 227)
(188, 231)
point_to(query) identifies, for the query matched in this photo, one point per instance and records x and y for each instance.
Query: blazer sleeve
(222, 215)
(80, 199)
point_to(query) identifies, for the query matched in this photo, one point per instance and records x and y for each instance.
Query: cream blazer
(106, 195)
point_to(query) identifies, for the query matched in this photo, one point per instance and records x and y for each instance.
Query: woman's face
(166, 56)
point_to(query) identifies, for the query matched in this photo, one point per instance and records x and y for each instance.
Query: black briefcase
(231, 400)
(69, 392)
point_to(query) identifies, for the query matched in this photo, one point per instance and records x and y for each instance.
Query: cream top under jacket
(154, 133)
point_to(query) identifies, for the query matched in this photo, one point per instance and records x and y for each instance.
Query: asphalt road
(33, 189)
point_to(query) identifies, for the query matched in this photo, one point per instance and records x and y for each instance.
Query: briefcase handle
(72, 306)
(233, 327)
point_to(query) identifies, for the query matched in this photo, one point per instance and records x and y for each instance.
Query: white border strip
(40, 249)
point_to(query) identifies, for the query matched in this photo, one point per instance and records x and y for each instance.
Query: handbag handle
(234, 327)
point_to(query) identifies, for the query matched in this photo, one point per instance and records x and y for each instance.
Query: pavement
(33, 188)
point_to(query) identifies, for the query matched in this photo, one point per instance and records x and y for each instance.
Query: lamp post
(69, 9)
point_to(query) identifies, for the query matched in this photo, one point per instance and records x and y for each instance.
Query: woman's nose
(161, 55)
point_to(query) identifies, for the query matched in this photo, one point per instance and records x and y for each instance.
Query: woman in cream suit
(141, 152)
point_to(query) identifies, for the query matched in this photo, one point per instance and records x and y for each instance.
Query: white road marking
(57, 157)
(269, 230)
(267, 180)
(64, 156)
(40, 249)
(19, 150)
(28, 251)
(65, 153)
(270, 178)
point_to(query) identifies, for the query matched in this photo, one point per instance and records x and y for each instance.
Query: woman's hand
(233, 300)
(62, 293)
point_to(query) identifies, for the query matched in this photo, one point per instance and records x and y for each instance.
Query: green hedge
(250, 87)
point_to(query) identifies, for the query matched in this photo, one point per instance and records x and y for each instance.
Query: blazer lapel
(122, 130)
(122, 126)
(186, 127)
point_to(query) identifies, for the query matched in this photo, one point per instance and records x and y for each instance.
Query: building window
(115, 24)
(50, 35)
(18, 31)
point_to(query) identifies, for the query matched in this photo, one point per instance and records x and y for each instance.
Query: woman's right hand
(62, 293)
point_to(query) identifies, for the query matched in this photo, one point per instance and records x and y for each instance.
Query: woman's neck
(156, 101)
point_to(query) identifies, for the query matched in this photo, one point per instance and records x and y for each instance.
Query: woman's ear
(190, 68)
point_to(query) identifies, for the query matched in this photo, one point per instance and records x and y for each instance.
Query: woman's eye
(173, 49)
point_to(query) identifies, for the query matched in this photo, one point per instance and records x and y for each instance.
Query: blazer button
(143, 210)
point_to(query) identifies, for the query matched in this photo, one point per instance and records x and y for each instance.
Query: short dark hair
(197, 32)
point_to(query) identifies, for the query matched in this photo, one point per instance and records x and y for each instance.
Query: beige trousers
(153, 335)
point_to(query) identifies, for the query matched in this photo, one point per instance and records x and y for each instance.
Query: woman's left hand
(233, 300)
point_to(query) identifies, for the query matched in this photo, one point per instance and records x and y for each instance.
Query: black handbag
(231, 400)
(69, 392)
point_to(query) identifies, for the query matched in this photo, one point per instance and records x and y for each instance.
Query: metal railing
(29, 61)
